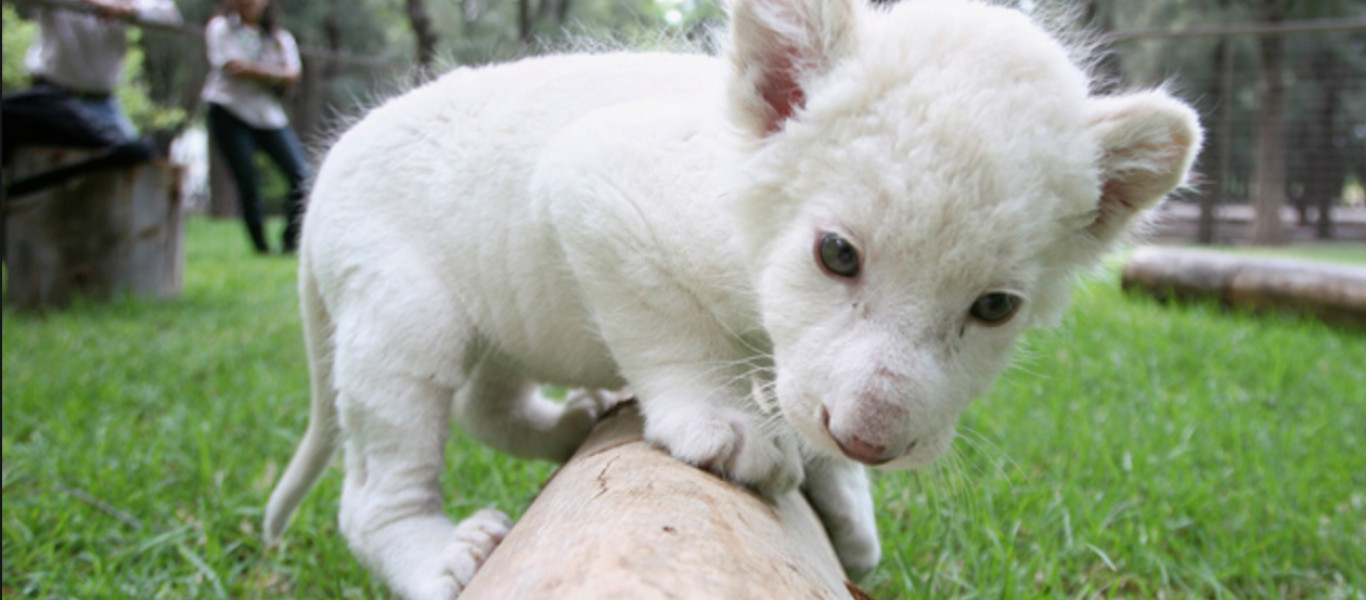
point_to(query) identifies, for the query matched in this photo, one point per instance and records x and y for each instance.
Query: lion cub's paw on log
(444, 574)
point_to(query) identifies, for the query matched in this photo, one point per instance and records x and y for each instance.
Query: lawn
(1136, 451)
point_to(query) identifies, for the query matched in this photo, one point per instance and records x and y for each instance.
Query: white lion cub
(804, 257)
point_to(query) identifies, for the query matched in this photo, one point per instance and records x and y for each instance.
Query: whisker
(1001, 460)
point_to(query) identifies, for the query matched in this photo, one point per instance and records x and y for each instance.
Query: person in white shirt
(251, 61)
(81, 53)
(76, 62)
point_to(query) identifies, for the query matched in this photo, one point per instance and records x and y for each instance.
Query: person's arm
(286, 74)
(157, 11)
(219, 47)
(267, 74)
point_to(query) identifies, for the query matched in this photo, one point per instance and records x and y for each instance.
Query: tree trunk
(426, 37)
(553, 11)
(172, 81)
(306, 102)
(1267, 228)
(623, 519)
(108, 232)
(310, 94)
(524, 21)
(545, 10)
(1335, 294)
(1327, 165)
(223, 203)
(1108, 72)
(1216, 195)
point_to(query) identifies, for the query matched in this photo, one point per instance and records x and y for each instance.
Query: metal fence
(1284, 107)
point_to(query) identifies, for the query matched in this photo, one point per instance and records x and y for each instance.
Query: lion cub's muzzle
(871, 446)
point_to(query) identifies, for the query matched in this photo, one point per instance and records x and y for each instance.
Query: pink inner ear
(780, 89)
(1112, 192)
(1151, 172)
(1154, 171)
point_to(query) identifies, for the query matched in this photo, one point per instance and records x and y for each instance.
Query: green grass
(1350, 253)
(1137, 451)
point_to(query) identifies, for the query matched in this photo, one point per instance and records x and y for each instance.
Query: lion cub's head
(921, 186)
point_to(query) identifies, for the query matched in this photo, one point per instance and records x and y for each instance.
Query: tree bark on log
(100, 234)
(623, 519)
(1334, 294)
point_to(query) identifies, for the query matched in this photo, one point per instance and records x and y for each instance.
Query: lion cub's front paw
(732, 444)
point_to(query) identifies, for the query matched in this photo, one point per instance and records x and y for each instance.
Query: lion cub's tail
(320, 441)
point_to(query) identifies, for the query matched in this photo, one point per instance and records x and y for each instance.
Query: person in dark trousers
(76, 62)
(251, 61)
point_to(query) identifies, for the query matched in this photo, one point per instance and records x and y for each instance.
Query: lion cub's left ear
(1148, 142)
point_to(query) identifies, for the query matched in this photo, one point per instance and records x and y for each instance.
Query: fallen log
(1334, 294)
(622, 519)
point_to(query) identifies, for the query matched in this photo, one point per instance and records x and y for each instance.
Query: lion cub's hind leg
(391, 505)
(397, 359)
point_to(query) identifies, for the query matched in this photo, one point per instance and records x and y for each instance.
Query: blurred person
(81, 54)
(252, 60)
(76, 61)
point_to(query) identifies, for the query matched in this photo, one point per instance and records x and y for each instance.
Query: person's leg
(234, 140)
(49, 116)
(46, 115)
(284, 149)
(109, 112)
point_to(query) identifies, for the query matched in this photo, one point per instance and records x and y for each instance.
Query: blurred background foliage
(1312, 86)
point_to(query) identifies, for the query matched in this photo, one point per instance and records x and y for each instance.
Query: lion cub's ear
(1148, 142)
(777, 47)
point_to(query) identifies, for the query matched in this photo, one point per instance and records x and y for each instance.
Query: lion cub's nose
(855, 447)
(859, 450)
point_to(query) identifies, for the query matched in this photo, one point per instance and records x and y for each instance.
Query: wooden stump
(625, 520)
(1335, 294)
(96, 235)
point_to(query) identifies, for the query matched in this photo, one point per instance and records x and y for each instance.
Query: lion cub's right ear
(777, 48)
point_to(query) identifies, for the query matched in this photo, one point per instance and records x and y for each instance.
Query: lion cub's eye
(837, 255)
(995, 308)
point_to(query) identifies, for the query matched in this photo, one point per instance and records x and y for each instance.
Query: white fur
(651, 219)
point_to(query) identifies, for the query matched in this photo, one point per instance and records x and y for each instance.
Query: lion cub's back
(467, 142)
(486, 125)
(433, 185)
